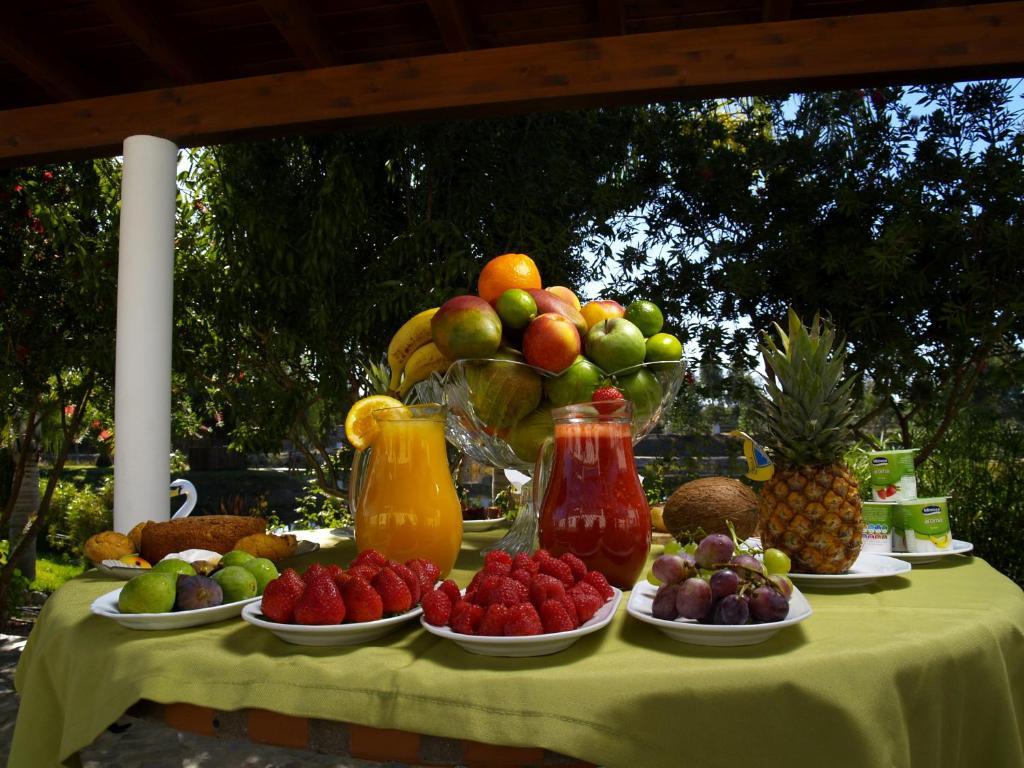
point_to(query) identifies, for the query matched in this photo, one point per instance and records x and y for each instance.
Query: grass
(51, 574)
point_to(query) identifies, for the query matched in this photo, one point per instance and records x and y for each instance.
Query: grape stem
(758, 576)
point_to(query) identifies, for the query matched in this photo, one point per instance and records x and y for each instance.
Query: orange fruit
(510, 270)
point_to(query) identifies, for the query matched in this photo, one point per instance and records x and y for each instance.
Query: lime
(236, 583)
(663, 347)
(235, 557)
(516, 308)
(151, 592)
(646, 316)
(174, 566)
(263, 569)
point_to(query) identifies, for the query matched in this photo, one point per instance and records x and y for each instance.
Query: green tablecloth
(926, 670)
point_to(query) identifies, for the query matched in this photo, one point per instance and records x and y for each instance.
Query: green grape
(652, 579)
(672, 547)
(776, 561)
(691, 548)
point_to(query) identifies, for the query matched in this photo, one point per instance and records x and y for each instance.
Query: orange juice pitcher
(401, 489)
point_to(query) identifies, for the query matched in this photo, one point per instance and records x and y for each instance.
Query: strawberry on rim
(612, 396)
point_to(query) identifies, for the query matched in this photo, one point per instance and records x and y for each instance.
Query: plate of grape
(718, 594)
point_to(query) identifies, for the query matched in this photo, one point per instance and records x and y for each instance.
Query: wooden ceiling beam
(148, 34)
(298, 27)
(26, 51)
(611, 17)
(454, 25)
(960, 42)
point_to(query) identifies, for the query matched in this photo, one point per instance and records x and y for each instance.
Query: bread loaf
(215, 532)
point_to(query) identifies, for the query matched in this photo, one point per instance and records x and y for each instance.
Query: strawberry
(522, 561)
(394, 595)
(507, 592)
(544, 588)
(611, 396)
(493, 622)
(587, 603)
(425, 571)
(321, 603)
(466, 617)
(597, 580)
(370, 557)
(410, 579)
(314, 571)
(364, 571)
(451, 589)
(523, 620)
(362, 601)
(579, 570)
(555, 618)
(559, 570)
(280, 596)
(437, 608)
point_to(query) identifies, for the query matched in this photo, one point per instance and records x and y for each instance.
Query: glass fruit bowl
(499, 413)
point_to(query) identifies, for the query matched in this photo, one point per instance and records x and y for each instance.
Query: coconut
(703, 506)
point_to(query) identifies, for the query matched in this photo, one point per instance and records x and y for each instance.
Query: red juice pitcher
(593, 504)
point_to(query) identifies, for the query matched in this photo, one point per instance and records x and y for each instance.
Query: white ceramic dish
(867, 568)
(920, 558)
(126, 572)
(106, 606)
(690, 631)
(479, 526)
(531, 645)
(332, 634)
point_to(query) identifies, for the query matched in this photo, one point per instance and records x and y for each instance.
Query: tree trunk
(25, 506)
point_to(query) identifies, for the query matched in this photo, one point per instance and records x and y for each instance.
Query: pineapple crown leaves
(808, 406)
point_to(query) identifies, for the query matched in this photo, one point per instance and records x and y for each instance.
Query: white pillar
(142, 388)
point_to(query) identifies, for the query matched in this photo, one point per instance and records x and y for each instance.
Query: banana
(413, 334)
(423, 362)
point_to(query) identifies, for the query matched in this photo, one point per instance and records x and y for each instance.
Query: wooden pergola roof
(77, 76)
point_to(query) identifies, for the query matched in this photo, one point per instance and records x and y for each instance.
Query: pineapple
(810, 508)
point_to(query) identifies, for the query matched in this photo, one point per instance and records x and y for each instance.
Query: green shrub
(78, 513)
(316, 509)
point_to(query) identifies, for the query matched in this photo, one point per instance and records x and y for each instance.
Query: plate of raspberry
(328, 634)
(541, 644)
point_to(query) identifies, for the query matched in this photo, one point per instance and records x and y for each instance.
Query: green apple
(663, 347)
(615, 344)
(236, 583)
(576, 384)
(263, 569)
(642, 389)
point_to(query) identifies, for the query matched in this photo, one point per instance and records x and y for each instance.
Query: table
(922, 670)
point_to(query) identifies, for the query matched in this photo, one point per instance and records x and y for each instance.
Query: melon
(703, 506)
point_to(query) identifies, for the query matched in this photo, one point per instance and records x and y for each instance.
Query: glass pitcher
(593, 504)
(401, 490)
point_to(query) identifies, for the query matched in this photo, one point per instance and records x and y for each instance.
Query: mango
(466, 327)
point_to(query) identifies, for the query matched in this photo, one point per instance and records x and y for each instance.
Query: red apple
(551, 342)
(605, 309)
(549, 302)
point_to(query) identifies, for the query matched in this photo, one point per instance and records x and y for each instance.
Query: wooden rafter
(143, 30)
(611, 17)
(777, 10)
(454, 25)
(297, 26)
(957, 42)
(45, 68)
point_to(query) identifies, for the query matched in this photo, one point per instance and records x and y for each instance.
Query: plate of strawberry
(521, 606)
(329, 605)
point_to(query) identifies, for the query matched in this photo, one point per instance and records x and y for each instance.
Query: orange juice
(405, 502)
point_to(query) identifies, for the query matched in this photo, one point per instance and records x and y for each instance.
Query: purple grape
(714, 549)
(732, 609)
(784, 583)
(768, 605)
(664, 604)
(723, 583)
(693, 600)
(669, 569)
(746, 564)
(689, 564)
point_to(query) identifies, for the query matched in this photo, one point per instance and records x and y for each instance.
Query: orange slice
(360, 427)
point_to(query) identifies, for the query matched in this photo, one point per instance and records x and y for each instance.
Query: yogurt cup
(892, 475)
(877, 530)
(926, 524)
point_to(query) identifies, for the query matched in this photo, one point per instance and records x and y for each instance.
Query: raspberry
(394, 595)
(523, 620)
(362, 601)
(523, 576)
(579, 570)
(493, 623)
(597, 580)
(570, 608)
(313, 572)
(369, 557)
(587, 604)
(425, 571)
(522, 561)
(498, 568)
(487, 584)
(320, 603)
(466, 617)
(544, 588)
(498, 557)
(281, 595)
(589, 589)
(559, 570)
(437, 608)
(555, 618)
(410, 579)
(507, 591)
(451, 589)
(541, 555)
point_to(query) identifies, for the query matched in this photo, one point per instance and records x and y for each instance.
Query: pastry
(268, 545)
(108, 545)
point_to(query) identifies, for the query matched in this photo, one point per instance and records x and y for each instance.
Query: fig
(197, 592)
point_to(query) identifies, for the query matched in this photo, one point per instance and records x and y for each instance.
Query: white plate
(127, 572)
(531, 645)
(328, 634)
(920, 558)
(691, 631)
(868, 567)
(479, 526)
(106, 606)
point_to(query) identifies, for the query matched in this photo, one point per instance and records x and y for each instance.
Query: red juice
(595, 506)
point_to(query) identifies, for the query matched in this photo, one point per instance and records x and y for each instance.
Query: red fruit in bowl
(523, 620)
(281, 595)
(362, 602)
(437, 608)
(394, 595)
(411, 580)
(321, 603)
(551, 342)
